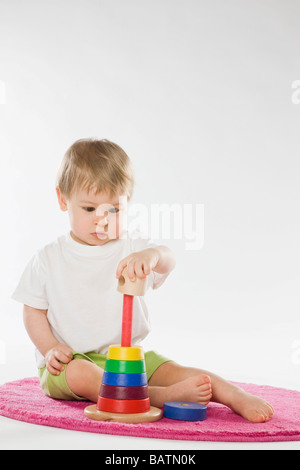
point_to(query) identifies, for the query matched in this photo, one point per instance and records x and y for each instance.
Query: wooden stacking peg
(129, 289)
(127, 320)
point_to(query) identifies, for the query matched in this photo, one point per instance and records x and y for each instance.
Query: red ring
(123, 406)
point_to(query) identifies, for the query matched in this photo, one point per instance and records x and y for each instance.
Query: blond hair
(98, 165)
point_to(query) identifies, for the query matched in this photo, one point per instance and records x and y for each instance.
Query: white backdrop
(200, 95)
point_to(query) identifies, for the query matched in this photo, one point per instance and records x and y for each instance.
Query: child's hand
(139, 264)
(60, 352)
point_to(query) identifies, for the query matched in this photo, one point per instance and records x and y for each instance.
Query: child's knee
(80, 371)
(74, 370)
(84, 378)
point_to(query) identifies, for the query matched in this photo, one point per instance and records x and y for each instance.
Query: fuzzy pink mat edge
(23, 400)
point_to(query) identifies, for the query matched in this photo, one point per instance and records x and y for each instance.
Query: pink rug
(24, 400)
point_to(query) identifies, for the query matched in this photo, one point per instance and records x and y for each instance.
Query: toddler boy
(72, 310)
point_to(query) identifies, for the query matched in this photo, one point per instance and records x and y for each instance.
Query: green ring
(125, 367)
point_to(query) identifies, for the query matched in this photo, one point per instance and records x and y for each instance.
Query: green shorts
(55, 386)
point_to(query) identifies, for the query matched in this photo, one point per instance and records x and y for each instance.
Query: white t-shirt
(77, 285)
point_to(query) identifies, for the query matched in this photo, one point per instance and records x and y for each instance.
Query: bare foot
(252, 408)
(195, 389)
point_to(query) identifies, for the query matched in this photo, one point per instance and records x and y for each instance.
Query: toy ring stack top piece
(136, 287)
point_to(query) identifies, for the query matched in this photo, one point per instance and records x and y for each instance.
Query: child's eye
(88, 209)
(114, 210)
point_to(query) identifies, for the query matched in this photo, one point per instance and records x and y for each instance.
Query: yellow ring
(122, 353)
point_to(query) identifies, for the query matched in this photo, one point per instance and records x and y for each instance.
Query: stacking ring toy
(125, 367)
(124, 380)
(123, 406)
(124, 392)
(123, 353)
(184, 410)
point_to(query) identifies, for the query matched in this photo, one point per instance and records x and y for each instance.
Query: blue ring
(124, 380)
(185, 410)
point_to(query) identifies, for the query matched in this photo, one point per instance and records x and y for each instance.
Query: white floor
(15, 435)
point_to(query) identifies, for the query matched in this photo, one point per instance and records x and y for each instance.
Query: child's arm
(159, 259)
(39, 331)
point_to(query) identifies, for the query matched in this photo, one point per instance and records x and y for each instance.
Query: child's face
(94, 217)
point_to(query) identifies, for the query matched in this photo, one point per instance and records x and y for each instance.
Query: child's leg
(84, 378)
(174, 382)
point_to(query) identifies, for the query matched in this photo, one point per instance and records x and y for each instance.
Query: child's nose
(102, 220)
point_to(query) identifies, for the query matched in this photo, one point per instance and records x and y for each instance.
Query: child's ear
(61, 200)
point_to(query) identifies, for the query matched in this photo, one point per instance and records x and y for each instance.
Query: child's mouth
(101, 235)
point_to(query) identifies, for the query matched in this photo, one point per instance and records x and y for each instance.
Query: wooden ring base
(154, 414)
